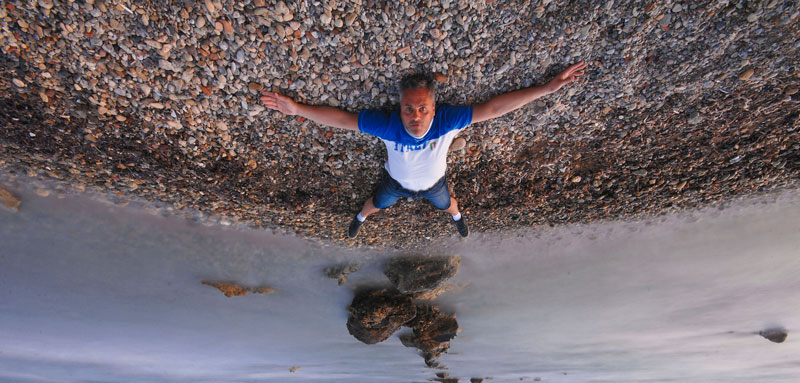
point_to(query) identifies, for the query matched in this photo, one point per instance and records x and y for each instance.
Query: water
(91, 292)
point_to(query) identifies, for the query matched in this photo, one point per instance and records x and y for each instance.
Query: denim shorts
(390, 191)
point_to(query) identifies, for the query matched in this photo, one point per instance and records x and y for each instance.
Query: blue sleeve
(456, 117)
(373, 122)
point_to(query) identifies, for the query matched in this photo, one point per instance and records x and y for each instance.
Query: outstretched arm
(504, 103)
(323, 115)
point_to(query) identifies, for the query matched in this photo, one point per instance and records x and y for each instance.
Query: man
(417, 137)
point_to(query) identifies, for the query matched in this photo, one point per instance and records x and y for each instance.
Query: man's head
(417, 102)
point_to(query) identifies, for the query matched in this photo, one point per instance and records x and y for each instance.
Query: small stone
(350, 18)
(42, 192)
(665, 20)
(746, 75)
(261, 11)
(458, 144)
(19, 83)
(326, 18)
(677, 8)
(166, 65)
(255, 86)
(281, 8)
(226, 27)
(9, 200)
(753, 17)
(210, 6)
(790, 91)
(187, 75)
(438, 77)
(576, 179)
(294, 369)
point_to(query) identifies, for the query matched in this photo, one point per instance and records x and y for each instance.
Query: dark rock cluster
(431, 332)
(376, 314)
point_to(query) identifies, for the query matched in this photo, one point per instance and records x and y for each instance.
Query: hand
(571, 74)
(280, 103)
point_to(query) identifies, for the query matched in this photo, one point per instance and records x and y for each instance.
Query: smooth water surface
(92, 292)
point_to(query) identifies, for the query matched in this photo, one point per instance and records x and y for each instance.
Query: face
(416, 110)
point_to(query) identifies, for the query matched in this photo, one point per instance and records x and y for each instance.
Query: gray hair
(418, 80)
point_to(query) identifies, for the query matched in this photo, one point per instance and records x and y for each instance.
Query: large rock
(432, 332)
(416, 274)
(376, 314)
(8, 200)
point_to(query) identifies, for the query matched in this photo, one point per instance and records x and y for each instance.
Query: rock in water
(231, 289)
(376, 314)
(8, 200)
(777, 335)
(432, 332)
(340, 272)
(415, 274)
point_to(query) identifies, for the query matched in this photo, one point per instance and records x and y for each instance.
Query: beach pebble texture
(684, 104)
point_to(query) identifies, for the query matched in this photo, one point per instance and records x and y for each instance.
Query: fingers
(575, 71)
(269, 99)
(577, 67)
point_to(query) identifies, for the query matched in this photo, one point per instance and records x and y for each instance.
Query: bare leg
(368, 208)
(453, 209)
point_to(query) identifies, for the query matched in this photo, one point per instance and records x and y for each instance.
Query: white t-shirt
(416, 163)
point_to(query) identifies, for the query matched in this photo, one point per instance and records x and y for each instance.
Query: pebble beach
(684, 105)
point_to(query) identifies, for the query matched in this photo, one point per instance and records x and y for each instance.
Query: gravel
(684, 104)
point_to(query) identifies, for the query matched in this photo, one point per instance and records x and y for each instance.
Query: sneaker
(355, 225)
(462, 227)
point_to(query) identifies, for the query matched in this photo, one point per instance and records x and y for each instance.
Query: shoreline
(49, 187)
